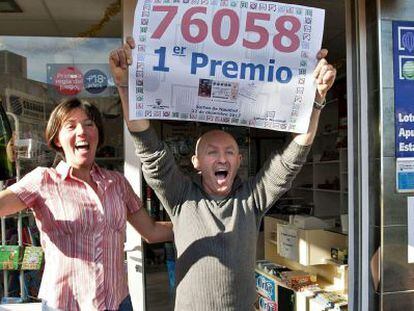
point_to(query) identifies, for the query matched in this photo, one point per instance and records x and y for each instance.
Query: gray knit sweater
(215, 240)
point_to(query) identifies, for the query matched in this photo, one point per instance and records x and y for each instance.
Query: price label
(236, 62)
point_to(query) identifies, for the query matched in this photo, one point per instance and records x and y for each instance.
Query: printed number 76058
(287, 26)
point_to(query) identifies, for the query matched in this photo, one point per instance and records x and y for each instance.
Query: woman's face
(78, 137)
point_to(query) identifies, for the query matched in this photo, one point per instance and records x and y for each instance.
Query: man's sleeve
(160, 170)
(277, 174)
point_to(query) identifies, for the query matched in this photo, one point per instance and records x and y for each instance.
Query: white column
(132, 169)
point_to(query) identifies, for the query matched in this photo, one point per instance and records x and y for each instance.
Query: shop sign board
(232, 62)
(403, 57)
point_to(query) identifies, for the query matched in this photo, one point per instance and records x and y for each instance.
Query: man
(216, 216)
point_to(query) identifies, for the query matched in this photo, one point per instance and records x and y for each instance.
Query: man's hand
(324, 75)
(119, 60)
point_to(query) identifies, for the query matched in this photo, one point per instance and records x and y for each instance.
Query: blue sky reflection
(40, 51)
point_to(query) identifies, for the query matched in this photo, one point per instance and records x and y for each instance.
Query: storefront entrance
(60, 49)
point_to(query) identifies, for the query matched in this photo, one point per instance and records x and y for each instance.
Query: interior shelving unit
(313, 250)
(323, 180)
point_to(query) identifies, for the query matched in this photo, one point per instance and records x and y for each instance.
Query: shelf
(326, 162)
(272, 241)
(15, 216)
(303, 188)
(275, 279)
(336, 230)
(335, 263)
(328, 190)
(318, 189)
(290, 199)
(329, 133)
(322, 162)
(331, 101)
(315, 245)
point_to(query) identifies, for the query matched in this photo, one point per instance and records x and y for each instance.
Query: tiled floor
(157, 290)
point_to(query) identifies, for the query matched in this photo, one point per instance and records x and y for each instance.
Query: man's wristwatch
(319, 106)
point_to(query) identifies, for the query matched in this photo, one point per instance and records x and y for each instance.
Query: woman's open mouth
(82, 146)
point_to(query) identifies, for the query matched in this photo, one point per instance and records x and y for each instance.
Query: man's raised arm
(119, 60)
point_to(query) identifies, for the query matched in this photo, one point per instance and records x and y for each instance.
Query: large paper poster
(233, 62)
(403, 54)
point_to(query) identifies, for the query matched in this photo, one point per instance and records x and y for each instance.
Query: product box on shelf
(331, 301)
(263, 304)
(9, 257)
(298, 279)
(339, 255)
(266, 285)
(32, 258)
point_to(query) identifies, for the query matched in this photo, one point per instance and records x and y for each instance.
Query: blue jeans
(171, 274)
(126, 304)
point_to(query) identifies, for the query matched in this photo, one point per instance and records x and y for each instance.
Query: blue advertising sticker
(95, 81)
(405, 174)
(403, 56)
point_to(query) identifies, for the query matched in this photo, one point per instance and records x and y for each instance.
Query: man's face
(218, 159)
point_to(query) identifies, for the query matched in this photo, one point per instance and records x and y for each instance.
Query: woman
(81, 212)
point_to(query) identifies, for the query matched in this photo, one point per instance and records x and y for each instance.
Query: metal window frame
(358, 156)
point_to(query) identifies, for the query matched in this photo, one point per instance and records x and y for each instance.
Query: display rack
(312, 249)
(23, 293)
(28, 117)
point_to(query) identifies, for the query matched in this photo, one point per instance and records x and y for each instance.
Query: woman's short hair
(62, 112)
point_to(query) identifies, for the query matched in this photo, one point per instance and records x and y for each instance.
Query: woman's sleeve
(28, 188)
(132, 201)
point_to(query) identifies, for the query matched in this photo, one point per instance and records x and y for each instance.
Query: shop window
(35, 74)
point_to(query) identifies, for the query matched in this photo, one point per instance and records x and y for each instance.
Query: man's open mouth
(221, 174)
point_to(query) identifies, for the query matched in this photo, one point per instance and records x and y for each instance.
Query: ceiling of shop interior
(67, 18)
(70, 18)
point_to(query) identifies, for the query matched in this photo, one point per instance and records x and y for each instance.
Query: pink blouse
(82, 234)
